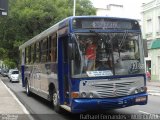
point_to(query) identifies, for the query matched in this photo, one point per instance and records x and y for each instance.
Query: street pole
(74, 8)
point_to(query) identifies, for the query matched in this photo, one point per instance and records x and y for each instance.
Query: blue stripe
(82, 105)
(105, 31)
(22, 73)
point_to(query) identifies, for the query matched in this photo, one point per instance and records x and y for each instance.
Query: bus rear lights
(75, 95)
(140, 99)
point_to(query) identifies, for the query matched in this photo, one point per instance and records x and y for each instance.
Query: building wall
(112, 10)
(151, 32)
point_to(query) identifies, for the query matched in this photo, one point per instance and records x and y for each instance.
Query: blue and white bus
(55, 65)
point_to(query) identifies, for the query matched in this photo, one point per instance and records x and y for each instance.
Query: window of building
(149, 44)
(149, 26)
(158, 29)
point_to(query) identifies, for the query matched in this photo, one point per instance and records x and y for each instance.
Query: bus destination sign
(104, 24)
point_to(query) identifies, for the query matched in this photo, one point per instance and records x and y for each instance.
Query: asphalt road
(41, 109)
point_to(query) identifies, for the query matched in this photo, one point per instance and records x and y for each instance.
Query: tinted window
(15, 72)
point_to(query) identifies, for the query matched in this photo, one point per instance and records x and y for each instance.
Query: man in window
(90, 55)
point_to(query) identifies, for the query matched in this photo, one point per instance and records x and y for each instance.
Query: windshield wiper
(102, 37)
(107, 40)
(123, 40)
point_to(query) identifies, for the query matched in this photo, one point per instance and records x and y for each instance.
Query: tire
(28, 92)
(11, 80)
(56, 104)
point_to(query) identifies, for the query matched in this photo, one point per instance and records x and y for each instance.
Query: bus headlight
(84, 95)
(136, 91)
(91, 95)
(141, 89)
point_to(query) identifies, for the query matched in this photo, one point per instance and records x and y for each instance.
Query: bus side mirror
(145, 48)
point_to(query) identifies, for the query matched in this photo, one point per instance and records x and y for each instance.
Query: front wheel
(27, 89)
(56, 104)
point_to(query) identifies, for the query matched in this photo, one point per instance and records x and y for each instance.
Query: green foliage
(2, 53)
(9, 63)
(28, 18)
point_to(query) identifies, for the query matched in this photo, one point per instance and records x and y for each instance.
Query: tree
(9, 63)
(28, 18)
(2, 53)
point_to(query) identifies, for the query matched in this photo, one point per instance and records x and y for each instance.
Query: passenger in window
(90, 54)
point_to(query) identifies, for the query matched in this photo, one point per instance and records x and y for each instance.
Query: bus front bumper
(87, 104)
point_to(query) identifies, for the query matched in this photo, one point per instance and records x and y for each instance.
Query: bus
(85, 63)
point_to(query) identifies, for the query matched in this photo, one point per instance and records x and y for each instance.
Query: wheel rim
(27, 89)
(55, 101)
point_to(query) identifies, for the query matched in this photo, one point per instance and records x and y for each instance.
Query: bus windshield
(107, 54)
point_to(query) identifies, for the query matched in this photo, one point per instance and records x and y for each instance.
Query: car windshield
(107, 54)
(15, 72)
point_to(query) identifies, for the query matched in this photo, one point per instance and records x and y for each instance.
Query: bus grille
(113, 89)
(105, 88)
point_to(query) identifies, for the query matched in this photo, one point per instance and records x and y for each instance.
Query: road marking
(22, 106)
(143, 112)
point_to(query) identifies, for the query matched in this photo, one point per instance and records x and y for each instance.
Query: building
(113, 10)
(119, 8)
(151, 32)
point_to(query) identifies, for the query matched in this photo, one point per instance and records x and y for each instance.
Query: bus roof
(57, 26)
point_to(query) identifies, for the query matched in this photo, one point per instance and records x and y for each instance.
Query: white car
(14, 76)
(10, 72)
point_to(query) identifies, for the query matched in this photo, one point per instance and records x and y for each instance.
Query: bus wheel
(27, 89)
(56, 105)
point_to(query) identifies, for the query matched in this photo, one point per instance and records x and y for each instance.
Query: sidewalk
(154, 83)
(10, 106)
(153, 88)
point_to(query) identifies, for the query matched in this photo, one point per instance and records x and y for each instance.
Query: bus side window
(32, 54)
(37, 52)
(49, 49)
(44, 51)
(29, 54)
(40, 51)
(53, 51)
(26, 56)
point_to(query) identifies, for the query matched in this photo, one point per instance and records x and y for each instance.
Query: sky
(132, 8)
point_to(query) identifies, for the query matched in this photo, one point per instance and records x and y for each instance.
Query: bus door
(63, 71)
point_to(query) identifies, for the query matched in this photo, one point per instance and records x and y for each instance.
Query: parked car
(10, 72)
(4, 72)
(14, 76)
